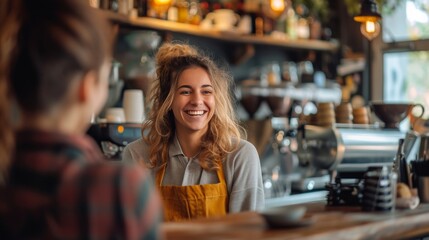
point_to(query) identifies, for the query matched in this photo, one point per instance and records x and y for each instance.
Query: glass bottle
(182, 11)
(141, 6)
(195, 14)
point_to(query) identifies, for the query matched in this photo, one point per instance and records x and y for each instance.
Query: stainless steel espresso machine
(346, 153)
(311, 156)
(348, 150)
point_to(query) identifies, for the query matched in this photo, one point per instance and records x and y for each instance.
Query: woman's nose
(196, 98)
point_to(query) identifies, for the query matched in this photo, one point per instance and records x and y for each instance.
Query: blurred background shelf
(310, 92)
(229, 36)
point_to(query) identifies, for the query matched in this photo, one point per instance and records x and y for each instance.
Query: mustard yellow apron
(188, 202)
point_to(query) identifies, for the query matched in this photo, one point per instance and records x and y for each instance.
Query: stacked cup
(325, 114)
(360, 115)
(133, 104)
(343, 113)
(115, 115)
(379, 191)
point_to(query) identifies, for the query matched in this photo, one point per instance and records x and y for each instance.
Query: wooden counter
(327, 223)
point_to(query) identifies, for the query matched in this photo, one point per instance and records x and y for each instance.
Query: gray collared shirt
(242, 170)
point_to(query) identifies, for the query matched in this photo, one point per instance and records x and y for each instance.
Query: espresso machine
(349, 151)
(113, 137)
(347, 154)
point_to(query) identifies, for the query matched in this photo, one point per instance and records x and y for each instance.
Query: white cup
(133, 104)
(115, 115)
(224, 19)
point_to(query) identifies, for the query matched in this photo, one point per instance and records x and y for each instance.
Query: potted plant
(316, 12)
(318, 9)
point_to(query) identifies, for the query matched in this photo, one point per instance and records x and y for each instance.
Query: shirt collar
(175, 149)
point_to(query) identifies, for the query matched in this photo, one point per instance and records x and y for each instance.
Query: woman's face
(194, 102)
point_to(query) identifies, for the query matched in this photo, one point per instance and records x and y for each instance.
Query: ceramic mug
(115, 115)
(223, 19)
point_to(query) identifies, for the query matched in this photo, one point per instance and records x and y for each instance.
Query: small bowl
(285, 216)
(391, 113)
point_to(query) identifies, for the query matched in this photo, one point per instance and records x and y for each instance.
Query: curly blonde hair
(223, 130)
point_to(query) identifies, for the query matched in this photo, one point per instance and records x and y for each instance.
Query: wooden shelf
(330, 93)
(174, 27)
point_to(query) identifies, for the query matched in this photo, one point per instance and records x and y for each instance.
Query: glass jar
(182, 11)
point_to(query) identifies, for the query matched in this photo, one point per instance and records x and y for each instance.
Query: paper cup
(133, 104)
(115, 115)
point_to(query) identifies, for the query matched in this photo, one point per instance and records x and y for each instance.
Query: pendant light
(369, 19)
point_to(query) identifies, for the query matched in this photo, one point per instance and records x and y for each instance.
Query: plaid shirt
(59, 187)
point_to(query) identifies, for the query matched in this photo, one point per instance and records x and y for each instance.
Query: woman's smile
(195, 113)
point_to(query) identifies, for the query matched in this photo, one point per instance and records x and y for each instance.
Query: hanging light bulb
(160, 7)
(160, 2)
(275, 8)
(370, 29)
(369, 18)
(277, 5)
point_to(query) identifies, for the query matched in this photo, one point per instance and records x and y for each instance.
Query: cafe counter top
(326, 223)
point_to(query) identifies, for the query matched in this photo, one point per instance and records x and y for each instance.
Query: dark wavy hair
(44, 47)
(56, 42)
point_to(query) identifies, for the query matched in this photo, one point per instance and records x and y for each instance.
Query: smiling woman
(194, 144)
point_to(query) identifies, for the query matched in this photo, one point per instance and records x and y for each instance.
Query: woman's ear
(87, 86)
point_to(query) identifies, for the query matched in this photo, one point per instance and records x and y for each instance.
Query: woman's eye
(207, 92)
(185, 92)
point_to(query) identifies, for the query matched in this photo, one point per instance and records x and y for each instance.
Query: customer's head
(48, 49)
(58, 45)
(174, 60)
